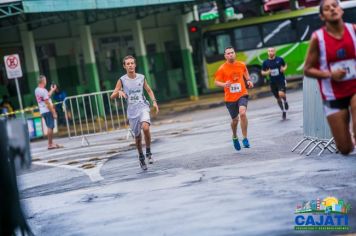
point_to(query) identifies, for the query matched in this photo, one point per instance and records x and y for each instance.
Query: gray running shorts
(135, 123)
(233, 107)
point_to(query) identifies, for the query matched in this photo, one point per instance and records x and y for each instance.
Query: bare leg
(339, 125)
(50, 137)
(138, 140)
(353, 115)
(146, 132)
(280, 104)
(282, 95)
(234, 123)
(244, 121)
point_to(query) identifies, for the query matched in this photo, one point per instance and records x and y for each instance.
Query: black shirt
(275, 66)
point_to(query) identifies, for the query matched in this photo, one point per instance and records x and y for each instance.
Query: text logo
(327, 214)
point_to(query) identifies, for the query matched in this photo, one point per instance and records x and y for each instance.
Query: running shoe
(149, 158)
(284, 115)
(245, 143)
(286, 106)
(143, 163)
(236, 144)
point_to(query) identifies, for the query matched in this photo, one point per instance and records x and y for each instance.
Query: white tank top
(136, 99)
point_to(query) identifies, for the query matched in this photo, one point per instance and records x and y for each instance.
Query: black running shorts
(278, 86)
(333, 106)
(233, 107)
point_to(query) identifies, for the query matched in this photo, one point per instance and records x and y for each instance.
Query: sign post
(14, 71)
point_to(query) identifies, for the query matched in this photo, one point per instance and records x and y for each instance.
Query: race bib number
(235, 88)
(274, 72)
(134, 98)
(348, 65)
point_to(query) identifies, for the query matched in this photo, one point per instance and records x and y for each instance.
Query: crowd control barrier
(317, 134)
(94, 114)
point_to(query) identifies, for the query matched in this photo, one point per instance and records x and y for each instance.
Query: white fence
(93, 114)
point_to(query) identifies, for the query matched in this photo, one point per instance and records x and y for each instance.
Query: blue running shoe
(245, 143)
(236, 144)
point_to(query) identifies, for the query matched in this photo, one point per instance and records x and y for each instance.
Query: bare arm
(222, 84)
(310, 67)
(266, 72)
(247, 78)
(152, 96)
(51, 108)
(51, 91)
(118, 91)
(284, 68)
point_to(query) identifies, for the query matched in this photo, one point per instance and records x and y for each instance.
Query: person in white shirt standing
(47, 110)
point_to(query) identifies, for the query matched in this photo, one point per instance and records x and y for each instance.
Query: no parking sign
(13, 66)
(14, 71)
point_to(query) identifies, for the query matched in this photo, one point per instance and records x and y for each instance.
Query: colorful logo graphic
(327, 214)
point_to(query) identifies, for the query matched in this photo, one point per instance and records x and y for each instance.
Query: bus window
(247, 38)
(349, 15)
(306, 25)
(223, 41)
(278, 32)
(210, 46)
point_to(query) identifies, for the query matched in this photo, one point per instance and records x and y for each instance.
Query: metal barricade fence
(93, 114)
(316, 129)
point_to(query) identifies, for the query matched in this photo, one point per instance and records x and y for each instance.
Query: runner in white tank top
(131, 86)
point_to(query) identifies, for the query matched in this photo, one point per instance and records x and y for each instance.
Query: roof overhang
(10, 8)
(38, 6)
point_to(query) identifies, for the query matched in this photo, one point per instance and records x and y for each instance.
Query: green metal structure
(10, 8)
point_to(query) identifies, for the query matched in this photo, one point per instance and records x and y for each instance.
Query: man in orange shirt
(233, 77)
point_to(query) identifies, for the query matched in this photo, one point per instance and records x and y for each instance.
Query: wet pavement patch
(72, 162)
(88, 198)
(52, 161)
(112, 152)
(93, 197)
(325, 170)
(88, 166)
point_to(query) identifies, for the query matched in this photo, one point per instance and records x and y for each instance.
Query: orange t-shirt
(233, 73)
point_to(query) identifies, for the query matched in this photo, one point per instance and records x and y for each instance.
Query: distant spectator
(46, 107)
(6, 106)
(59, 96)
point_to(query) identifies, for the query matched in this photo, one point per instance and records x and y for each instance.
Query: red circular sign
(12, 62)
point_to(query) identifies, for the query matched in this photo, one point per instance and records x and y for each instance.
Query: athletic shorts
(278, 86)
(333, 106)
(233, 107)
(49, 120)
(135, 123)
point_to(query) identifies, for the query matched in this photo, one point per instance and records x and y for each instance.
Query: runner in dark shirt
(274, 67)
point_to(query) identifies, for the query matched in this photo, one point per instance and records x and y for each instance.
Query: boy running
(130, 86)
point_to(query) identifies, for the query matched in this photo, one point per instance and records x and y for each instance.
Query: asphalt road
(199, 185)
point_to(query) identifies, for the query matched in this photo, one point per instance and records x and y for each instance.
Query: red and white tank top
(335, 54)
